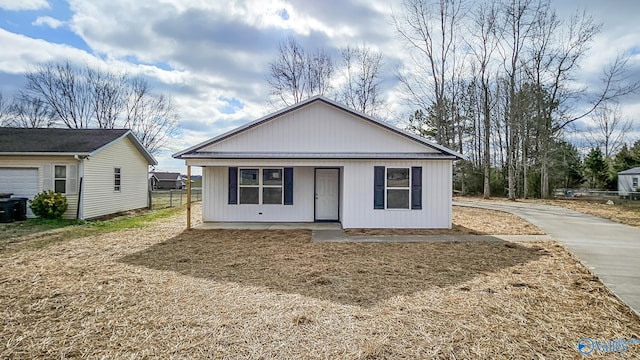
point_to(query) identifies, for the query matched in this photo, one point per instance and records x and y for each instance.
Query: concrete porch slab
(269, 226)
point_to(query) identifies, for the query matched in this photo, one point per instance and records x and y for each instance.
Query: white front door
(327, 194)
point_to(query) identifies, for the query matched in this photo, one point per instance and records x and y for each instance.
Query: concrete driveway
(611, 250)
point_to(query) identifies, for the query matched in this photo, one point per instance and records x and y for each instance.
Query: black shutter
(416, 188)
(233, 185)
(378, 187)
(288, 186)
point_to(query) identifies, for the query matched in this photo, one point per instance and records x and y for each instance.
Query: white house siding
(313, 129)
(216, 197)
(625, 183)
(38, 162)
(358, 197)
(99, 197)
(356, 201)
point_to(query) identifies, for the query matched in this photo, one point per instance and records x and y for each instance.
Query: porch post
(188, 197)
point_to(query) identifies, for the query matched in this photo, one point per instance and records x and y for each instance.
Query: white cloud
(48, 21)
(17, 5)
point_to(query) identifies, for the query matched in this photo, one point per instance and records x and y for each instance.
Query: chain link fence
(161, 199)
(598, 195)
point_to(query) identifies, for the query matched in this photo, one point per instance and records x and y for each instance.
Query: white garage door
(20, 182)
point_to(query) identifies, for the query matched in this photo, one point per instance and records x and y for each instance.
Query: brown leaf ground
(623, 212)
(159, 292)
(467, 221)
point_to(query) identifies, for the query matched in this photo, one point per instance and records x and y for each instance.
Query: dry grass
(467, 221)
(163, 293)
(625, 213)
(621, 213)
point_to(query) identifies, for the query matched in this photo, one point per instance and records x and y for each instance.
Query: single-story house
(321, 161)
(165, 181)
(629, 181)
(100, 171)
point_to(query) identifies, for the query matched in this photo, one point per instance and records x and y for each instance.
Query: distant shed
(628, 181)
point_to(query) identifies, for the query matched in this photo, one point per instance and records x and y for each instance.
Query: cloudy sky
(212, 56)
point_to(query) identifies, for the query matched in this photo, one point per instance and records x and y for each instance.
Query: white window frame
(65, 178)
(261, 186)
(117, 179)
(387, 188)
(634, 182)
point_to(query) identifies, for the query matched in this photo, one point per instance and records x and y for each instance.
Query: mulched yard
(161, 292)
(467, 221)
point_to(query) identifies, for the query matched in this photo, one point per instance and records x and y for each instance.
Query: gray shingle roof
(173, 176)
(24, 141)
(19, 140)
(632, 171)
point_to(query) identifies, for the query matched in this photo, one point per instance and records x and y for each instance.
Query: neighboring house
(100, 171)
(628, 181)
(166, 181)
(321, 161)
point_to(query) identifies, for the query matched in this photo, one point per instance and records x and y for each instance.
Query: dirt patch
(87, 298)
(467, 221)
(352, 274)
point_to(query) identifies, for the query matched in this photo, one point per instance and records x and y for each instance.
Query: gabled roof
(193, 152)
(164, 176)
(55, 141)
(632, 171)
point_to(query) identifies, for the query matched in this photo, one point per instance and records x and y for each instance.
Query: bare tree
(431, 32)
(151, 117)
(4, 110)
(609, 130)
(107, 92)
(88, 97)
(297, 74)
(361, 68)
(63, 88)
(28, 111)
(485, 33)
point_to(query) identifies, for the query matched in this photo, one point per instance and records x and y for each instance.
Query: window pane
(272, 195)
(272, 177)
(397, 177)
(60, 186)
(249, 177)
(60, 172)
(249, 195)
(397, 199)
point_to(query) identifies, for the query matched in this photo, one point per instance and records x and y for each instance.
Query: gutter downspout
(80, 160)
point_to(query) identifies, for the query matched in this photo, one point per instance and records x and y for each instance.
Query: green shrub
(48, 205)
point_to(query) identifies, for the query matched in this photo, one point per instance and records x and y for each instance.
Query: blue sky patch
(23, 22)
(233, 105)
(284, 15)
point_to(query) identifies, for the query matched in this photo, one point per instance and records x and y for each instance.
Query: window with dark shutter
(416, 188)
(233, 185)
(288, 186)
(378, 187)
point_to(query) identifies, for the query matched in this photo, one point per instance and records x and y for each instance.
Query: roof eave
(389, 156)
(48, 153)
